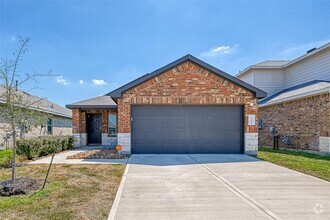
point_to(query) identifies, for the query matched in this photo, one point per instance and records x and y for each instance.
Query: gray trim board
(118, 92)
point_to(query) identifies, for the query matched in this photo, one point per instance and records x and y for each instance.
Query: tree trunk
(13, 168)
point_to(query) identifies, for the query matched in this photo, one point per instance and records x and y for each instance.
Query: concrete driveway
(217, 187)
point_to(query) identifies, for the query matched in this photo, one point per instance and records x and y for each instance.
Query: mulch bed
(99, 153)
(23, 185)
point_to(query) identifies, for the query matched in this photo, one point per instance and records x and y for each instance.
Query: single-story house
(187, 106)
(59, 120)
(297, 108)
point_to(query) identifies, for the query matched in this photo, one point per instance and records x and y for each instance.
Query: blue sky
(94, 47)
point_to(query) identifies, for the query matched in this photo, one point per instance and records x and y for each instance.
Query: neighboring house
(298, 103)
(187, 106)
(59, 121)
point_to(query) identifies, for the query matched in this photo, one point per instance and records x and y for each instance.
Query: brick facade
(186, 84)
(308, 119)
(79, 119)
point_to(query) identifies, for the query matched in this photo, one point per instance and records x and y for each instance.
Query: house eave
(85, 107)
(296, 97)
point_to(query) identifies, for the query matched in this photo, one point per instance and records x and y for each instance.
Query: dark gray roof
(271, 63)
(43, 104)
(100, 102)
(299, 91)
(118, 92)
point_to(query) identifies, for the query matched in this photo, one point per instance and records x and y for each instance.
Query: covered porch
(94, 122)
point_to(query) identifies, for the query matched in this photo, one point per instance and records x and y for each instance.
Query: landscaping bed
(72, 192)
(22, 185)
(99, 153)
(308, 163)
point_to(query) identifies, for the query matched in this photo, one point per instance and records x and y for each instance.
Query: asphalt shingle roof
(272, 63)
(43, 105)
(98, 102)
(299, 91)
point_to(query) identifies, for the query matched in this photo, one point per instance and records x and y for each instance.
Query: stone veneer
(324, 144)
(187, 84)
(308, 119)
(251, 143)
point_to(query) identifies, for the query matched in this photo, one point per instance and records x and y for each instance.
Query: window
(112, 125)
(50, 126)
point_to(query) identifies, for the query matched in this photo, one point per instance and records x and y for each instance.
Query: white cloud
(98, 82)
(296, 50)
(63, 81)
(81, 82)
(220, 50)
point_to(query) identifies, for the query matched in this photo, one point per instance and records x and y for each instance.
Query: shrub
(34, 148)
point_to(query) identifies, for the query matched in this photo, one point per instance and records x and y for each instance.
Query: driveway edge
(115, 203)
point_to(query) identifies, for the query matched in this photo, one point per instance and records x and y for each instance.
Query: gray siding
(248, 78)
(270, 81)
(317, 67)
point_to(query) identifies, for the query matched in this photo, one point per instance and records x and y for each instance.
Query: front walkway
(61, 158)
(217, 187)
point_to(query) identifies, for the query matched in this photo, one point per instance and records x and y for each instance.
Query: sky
(92, 47)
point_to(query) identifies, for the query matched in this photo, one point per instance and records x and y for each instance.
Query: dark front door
(187, 129)
(94, 126)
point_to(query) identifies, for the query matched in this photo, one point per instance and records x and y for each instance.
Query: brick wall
(79, 119)
(187, 83)
(307, 119)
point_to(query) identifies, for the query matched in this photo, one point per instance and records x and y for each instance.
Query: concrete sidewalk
(61, 158)
(217, 187)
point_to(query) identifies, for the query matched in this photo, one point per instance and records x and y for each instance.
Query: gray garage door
(187, 129)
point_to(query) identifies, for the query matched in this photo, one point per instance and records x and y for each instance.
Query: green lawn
(6, 157)
(73, 192)
(312, 164)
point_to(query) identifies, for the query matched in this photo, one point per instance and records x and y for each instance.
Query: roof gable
(118, 92)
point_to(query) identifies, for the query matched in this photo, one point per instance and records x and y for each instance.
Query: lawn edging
(115, 203)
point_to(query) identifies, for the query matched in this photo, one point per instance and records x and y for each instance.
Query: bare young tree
(19, 109)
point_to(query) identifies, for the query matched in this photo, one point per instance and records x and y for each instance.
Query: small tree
(20, 110)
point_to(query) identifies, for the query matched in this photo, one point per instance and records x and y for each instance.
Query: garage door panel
(187, 129)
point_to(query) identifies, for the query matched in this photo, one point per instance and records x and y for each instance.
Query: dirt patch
(99, 153)
(22, 186)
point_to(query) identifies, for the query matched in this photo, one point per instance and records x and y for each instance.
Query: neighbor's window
(50, 126)
(112, 125)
